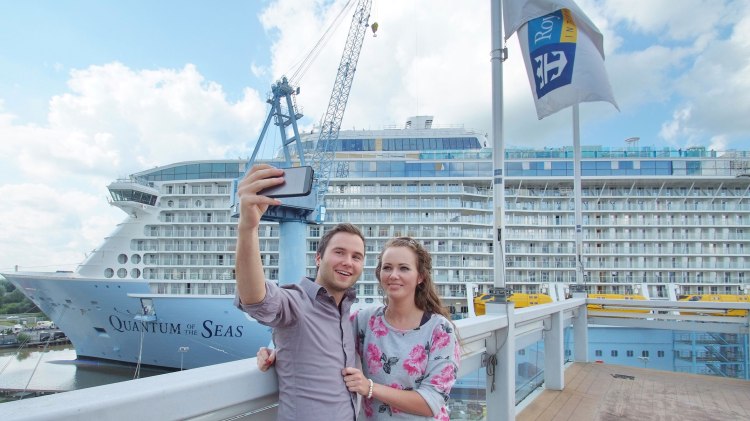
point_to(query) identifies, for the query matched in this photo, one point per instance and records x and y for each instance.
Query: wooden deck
(614, 392)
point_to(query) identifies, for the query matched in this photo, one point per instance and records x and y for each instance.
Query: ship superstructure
(159, 290)
(650, 217)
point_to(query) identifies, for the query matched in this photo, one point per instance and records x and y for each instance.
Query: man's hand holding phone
(297, 182)
(253, 204)
(263, 183)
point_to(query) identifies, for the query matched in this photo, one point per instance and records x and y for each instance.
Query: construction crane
(296, 213)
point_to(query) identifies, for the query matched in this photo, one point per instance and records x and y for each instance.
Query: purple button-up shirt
(314, 342)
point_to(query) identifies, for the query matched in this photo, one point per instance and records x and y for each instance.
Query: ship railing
(240, 391)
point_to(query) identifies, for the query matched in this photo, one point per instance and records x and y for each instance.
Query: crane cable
(301, 67)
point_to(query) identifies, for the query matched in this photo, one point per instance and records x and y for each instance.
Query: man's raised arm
(251, 281)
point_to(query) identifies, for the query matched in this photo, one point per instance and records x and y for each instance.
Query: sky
(95, 90)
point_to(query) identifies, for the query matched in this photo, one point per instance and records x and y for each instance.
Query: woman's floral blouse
(424, 359)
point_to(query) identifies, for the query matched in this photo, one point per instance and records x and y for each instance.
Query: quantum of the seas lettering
(150, 327)
(210, 330)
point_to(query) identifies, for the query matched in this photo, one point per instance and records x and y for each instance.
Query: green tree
(12, 300)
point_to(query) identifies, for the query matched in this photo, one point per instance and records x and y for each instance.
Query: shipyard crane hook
(295, 213)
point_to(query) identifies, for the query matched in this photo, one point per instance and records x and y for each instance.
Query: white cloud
(46, 228)
(689, 61)
(113, 121)
(431, 57)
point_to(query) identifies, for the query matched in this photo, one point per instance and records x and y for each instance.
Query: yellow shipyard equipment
(724, 298)
(520, 300)
(600, 307)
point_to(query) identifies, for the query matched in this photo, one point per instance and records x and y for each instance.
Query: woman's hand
(266, 358)
(356, 381)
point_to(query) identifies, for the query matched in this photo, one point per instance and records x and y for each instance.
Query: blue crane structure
(295, 213)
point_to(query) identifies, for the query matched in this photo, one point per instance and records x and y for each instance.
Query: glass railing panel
(529, 369)
(468, 397)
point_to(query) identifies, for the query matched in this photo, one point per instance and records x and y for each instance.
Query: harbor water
(56, 369)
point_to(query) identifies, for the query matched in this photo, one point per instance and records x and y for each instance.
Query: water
(58, 370)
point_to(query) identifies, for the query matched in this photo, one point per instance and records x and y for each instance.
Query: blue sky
(95, 90)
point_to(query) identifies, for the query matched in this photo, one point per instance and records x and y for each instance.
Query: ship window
(122, 272)
(660, 354)
(598, 352)
(614, 353)
(136, 258)
(109, 272)
(135, 273)
(644, 354)
(630, 353)
(122, 259)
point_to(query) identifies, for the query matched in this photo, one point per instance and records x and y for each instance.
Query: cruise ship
(159, 290)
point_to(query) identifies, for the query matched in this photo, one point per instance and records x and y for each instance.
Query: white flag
(563, 51)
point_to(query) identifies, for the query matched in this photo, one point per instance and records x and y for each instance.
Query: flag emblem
(552, 50)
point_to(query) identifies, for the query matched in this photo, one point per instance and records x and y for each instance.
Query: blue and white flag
(563, 51)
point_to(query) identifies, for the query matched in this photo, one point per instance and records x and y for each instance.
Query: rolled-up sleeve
(442, 367)
(276, 309)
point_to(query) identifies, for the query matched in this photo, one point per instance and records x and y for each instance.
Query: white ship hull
(100, 318)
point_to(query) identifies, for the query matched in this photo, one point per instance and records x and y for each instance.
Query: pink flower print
(457, 353)
(374, 362)
(416, 364)
(353, 316)
(445, 379)
(368, 407)
(443, 415)
(440, 338)
(377, 326)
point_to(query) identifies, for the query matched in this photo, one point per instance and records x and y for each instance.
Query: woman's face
(399, 274)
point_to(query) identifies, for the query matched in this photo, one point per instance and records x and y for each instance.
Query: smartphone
(297, 182)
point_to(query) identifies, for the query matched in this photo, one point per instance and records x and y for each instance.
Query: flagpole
(500, 392)
(498, 147)
(577, 194)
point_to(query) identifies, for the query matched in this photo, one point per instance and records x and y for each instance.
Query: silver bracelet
(369, 393)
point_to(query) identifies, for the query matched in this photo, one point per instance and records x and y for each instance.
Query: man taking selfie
(310, 320)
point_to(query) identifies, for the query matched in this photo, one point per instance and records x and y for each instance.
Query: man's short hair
(342, 227)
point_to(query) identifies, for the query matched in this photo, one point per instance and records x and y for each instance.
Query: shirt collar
(313, 289)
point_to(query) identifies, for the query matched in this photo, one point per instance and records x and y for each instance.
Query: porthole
(109, 272)
(135, 273)
(136, 258)
(122, 272)
(122, 259)
(198, 203)
(170, 203)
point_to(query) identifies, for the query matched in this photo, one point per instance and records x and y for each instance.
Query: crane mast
(297, 212)
(323, 157)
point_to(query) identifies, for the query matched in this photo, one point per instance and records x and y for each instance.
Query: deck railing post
(501, 400)
(554, 353)
(581, 331)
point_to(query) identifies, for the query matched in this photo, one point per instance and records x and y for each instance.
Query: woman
(409, 347)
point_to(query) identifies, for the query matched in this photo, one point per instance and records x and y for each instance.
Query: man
(312, 330)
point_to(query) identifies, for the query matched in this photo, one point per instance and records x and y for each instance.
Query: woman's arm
(407, 401)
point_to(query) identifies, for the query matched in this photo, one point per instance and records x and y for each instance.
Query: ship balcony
(557, 378)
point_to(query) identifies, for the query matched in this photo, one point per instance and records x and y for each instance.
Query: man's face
(342, 262)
